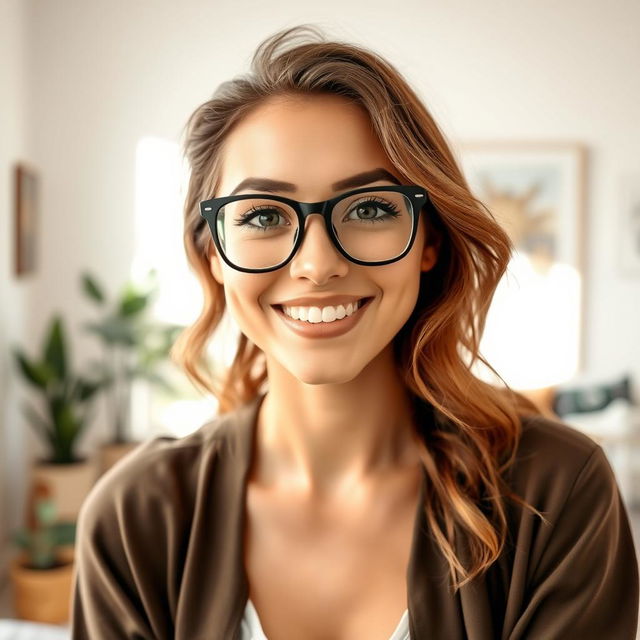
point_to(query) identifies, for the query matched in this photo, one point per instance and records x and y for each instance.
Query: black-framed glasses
(370, 226)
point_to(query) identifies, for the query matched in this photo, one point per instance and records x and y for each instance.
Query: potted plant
(133, 348)
(66, 402)
(42, 573)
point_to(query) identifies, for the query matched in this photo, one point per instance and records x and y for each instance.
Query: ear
(430, 251)
(429, 257)
(216, 267)
(431, 246)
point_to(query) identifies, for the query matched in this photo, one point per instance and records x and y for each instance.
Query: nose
(317, 258)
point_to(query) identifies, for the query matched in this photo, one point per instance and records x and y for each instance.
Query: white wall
(16, 297)
(103, 74)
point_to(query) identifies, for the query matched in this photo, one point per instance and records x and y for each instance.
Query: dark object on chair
(592, 398)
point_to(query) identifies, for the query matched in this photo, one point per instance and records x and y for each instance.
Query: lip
(323, 329)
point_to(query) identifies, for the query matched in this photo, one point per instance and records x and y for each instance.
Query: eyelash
(249, 215)
(389, 207)
(391, 210)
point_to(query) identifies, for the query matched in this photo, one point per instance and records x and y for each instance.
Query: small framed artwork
(629, 249)
(536, 192)
(26, 219)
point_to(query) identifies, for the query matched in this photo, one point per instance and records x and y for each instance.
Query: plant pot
(112, 452)
(43, 595)
(69, 484)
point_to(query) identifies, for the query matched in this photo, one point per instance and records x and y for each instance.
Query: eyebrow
(358, 180)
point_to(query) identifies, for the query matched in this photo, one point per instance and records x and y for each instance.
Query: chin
(323, 374)
(324, 377)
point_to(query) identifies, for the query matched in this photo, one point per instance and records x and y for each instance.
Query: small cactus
(43, 535)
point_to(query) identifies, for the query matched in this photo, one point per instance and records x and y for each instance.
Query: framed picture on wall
(26, 219)
(629, 247)
(536, 192)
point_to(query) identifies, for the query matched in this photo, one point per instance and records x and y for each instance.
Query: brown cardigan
(159, 546)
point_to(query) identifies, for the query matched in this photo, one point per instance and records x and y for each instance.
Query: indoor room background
(540, 100)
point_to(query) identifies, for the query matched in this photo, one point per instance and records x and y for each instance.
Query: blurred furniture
(608, 413)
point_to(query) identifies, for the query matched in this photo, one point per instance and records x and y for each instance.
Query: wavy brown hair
(477, 426)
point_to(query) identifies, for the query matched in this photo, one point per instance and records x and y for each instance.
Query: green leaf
(99, 371)
(42, 548)
(55, 350)
(39, 374)
(64, 533)
(132, 304)
(172, 331)
(113, 330)
(22, 538)
(86, 389)
(41, 425)
(149, 358)
(66, 428)
(92, 288)
(68, 425)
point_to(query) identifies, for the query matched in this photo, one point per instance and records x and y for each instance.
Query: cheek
(243, 295)
(401, 286)
(405, 292)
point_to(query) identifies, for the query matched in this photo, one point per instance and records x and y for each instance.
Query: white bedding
(23, 630)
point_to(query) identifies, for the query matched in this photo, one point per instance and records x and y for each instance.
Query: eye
(267, 217)
(367, 210)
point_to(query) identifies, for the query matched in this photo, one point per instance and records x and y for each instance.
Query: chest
(321, 572)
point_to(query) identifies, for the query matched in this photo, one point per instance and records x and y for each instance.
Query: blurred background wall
(15, 297)
(83, 83)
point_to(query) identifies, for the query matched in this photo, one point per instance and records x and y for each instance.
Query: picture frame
(536, 190)
(629, 227)
(26, 187)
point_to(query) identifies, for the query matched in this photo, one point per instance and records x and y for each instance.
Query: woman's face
(314, 142)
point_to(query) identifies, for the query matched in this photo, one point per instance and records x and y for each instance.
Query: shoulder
(137, 524)
(582, 553)
(164, 469)
(556, 463)
(550, 444)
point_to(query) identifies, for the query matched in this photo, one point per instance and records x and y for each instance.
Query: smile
(317, 326)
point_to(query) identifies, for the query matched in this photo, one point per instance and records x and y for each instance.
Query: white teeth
(325, 314)
(328, 314)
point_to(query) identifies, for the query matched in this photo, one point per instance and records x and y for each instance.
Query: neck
(328, 438)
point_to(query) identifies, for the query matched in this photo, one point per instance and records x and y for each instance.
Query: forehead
(311, 141)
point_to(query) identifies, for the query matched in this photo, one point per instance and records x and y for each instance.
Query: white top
(252, 628)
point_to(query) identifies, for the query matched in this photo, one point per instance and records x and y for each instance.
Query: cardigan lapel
(236, 471)
(434, 612)
(215, 582)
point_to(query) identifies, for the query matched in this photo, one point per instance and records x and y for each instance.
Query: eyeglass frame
(210, 208)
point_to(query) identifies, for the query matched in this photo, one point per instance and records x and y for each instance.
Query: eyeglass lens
(258, 233)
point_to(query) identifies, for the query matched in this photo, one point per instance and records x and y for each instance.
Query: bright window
(161, 184)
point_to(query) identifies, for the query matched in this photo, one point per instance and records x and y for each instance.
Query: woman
(360, 481)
